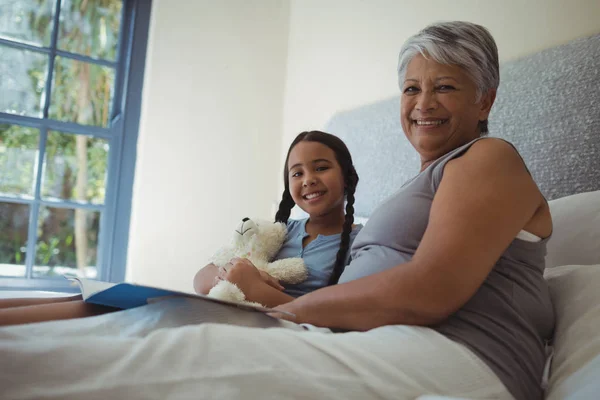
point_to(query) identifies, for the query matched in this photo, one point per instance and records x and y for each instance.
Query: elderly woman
(446, 275)
(460, 248)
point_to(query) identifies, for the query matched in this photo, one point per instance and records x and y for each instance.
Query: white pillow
(576, 235)
(575, 368)
(360, 220)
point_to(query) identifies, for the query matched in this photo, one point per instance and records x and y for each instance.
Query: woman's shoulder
(492, 146)
(491, 166)
(489, 154)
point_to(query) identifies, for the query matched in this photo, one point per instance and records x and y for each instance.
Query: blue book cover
(130, 295)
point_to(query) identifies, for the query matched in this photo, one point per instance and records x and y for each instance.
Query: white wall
(211, 117)
(343, 53)
(217, 95)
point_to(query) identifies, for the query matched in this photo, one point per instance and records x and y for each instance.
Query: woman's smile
(428, 123)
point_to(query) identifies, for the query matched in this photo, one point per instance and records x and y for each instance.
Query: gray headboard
(548, 106)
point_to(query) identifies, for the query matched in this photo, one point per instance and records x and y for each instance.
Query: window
(71, 74)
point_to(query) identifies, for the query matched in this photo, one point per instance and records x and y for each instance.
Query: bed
(548, 105)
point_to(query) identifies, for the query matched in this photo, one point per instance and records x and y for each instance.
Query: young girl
(319, 177)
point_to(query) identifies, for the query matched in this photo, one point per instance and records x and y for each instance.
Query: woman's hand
(292, 307)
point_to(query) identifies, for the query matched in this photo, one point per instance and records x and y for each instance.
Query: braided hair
(344, 159)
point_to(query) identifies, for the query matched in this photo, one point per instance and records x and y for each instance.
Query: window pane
(14, 222)
(90, 27)
(22, 81)
(18, 160)
(28, 21)
(67, 242)
(75, 168)
(81, 92)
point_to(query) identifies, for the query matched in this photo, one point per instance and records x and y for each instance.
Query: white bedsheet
(144, 353)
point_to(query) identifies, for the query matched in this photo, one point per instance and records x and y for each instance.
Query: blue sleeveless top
(506, 322)
(319, 256)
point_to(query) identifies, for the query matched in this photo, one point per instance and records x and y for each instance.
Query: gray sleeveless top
(506, 322)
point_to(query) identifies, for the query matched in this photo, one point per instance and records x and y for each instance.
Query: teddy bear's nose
(245, 219)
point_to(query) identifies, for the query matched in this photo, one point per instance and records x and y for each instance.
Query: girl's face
(316, 181)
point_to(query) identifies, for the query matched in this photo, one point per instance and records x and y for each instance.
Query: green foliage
(46, 251)
(13, 232)
(81, 93)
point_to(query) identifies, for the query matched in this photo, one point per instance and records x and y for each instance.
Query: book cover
(130, 295)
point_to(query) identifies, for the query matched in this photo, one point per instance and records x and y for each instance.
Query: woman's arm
(484, 199)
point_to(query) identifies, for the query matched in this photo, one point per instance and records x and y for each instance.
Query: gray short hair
(465, 44)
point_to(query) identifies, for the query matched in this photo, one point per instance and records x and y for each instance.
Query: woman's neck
(328, 224)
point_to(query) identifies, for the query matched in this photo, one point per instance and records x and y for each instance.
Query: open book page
(129, 295)
(89, 287)
(251, 307)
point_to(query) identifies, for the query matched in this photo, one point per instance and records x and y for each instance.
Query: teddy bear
(258, 241)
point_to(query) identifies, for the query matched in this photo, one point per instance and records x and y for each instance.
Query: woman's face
(438, 109)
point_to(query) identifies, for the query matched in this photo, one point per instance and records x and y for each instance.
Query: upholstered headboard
(548, 106)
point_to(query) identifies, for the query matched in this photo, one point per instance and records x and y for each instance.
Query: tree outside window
(60, 70)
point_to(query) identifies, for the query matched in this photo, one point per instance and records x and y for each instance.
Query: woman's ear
(486, 102)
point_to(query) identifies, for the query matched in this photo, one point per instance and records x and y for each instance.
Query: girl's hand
(206, 278)
(269, 280)
(245, 275)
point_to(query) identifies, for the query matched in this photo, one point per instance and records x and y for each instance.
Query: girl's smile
(313, 197)
(316, 182)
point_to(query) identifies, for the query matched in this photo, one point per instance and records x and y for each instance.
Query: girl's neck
(328, 224)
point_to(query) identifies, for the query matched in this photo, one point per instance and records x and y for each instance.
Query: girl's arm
(21, 302)
(484, 199)
(205, 279)
(267, 295)
(257, 286)
(51, 312)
